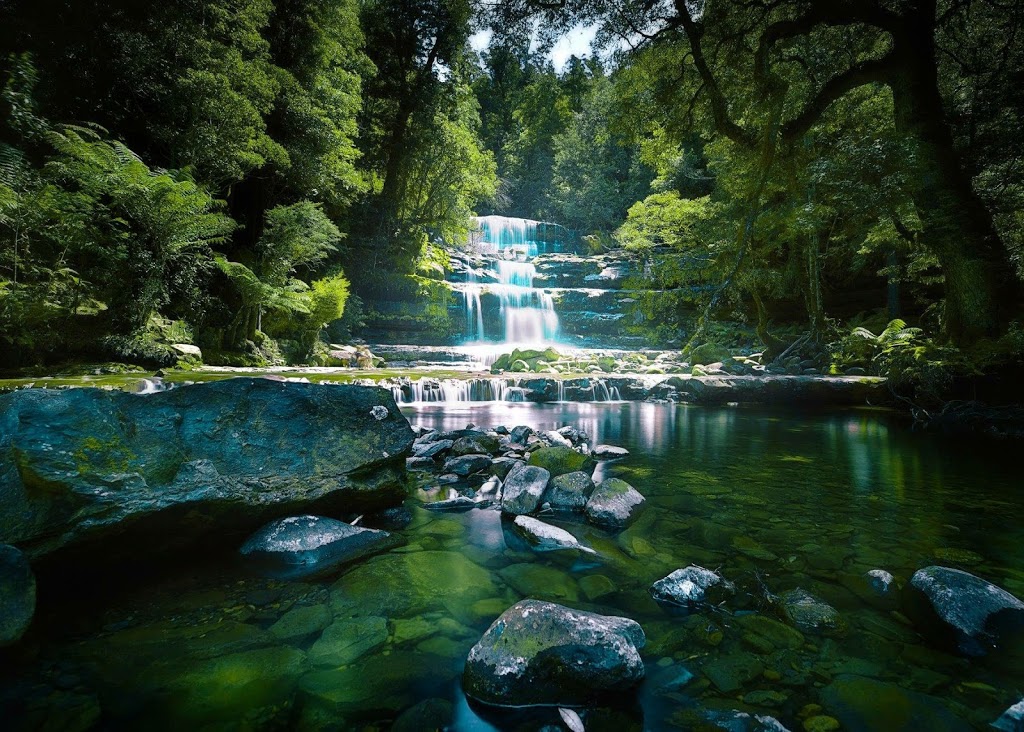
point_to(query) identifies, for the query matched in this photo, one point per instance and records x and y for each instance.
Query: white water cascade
(527, 313)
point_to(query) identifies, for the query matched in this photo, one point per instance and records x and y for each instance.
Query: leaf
(572, 720)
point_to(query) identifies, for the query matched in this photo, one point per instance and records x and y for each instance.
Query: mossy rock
(707, 353)
(562, 460)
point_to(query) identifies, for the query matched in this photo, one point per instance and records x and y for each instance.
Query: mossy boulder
(708, 353)
(540, 653)
(525, 360)
(559, 460)
(127, 476)
(614, 504)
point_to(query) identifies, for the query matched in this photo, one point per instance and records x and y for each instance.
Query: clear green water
(784, 499)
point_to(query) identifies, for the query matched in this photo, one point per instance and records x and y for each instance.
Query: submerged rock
(691, 586)
(302, 545)
(614, 504)
(859, 702)
(956, 608)
(131, 476)
(17, 595)
(523, 489)
(810, 614)
(569, 492)
(876, 587)
(547, 537)
(543, 653)
(348, 639)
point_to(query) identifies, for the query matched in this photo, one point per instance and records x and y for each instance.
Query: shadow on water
(773, 499)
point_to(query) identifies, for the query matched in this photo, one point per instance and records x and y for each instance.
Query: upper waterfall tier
(525, 235)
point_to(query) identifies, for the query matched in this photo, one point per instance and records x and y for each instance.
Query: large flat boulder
(144, 475)
(542, 653)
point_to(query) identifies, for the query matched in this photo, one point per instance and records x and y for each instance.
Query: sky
(574, 43)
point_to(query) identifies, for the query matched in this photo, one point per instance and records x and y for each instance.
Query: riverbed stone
(542, 653)
(429, 714)
(731, 672)
(17, 595)
(609, 452)
(301, 622)
(859, 702)
(544, 536)
(303, 545)
(465, 465)
(502, 466)
(537, 580)
(523, 488)
(348, 639)
(432, 450)
(520, 434)
(560, 459)
(614, 504)
(957, 608)
(401, 585)
(692, 586)
(133, 476)
(570, 491)
(810, 614)
(876, 587)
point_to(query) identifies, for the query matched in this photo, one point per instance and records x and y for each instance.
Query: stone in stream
(560, 460)
(542, 653)
(556, 439)
(348, 639)
(614, 504)
(302, 545)
(464, 465)
(126, 477)
(810, 614)
(547, 537)
(859, 703)
(1012, 720)
(456, 503)
(523, 489)
(609, 452)
(693, 586)
(959, 609)
(17, 595)
(876, 587)
(570, 491)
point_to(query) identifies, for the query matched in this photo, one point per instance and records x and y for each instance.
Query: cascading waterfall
(428, 390)
(527, 313)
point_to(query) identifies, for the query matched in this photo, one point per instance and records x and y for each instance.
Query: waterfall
(527, 313)
(428, 390)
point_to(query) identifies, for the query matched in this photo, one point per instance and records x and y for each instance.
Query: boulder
(131, 476)
(17, 595)
(523, 489)
(692, 586)
(502, 466)
(560, 459)
(808, 613)
(956, 608)
(569, 492)
(303, 545)
(609, 452)
(546, 537)
(614, 504)
(467, 464)
(542, 653)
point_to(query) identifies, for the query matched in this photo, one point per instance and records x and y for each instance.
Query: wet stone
(614, 504)
(301, 622)
(560, 460)
(863, 703)
(347, 640)
(569, 492)
(692, 586)
(543, 653)
(810, 614)
(732, 672)
(523, 489)
(302, 545)
(596, 586)
(467, 464)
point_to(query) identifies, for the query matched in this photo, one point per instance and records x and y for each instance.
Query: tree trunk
(980, 287)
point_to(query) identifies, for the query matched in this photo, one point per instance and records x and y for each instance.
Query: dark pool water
(773, 500)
